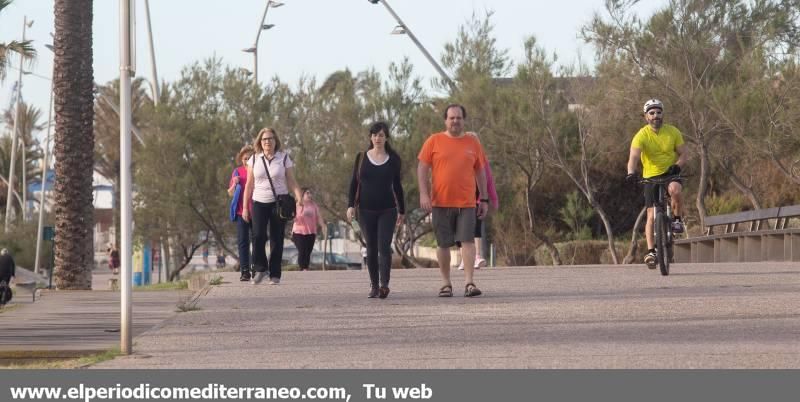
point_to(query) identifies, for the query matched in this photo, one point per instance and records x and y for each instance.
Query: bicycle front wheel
(662, 243)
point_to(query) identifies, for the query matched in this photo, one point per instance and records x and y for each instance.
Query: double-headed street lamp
(401, 29)
(261, 27)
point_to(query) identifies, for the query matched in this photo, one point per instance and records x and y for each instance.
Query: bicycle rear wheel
(662, 243)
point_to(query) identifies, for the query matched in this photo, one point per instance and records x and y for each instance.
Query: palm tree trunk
(73, 86)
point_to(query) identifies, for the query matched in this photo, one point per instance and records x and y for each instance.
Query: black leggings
(266, 217)
(305, 244)
(378, 228)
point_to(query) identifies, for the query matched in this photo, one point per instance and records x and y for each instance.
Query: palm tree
(73, 86)
(24, 47)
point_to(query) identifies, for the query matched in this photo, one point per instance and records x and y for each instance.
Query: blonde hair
(257, 143)
(246, 150)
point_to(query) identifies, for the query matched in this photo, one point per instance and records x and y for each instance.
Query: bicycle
(662, 220)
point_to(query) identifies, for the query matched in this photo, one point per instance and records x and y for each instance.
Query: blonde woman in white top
(264, 212)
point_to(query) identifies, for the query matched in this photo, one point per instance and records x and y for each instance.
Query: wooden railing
(750, 236)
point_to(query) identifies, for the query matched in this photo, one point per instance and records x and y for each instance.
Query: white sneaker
(461, 265)
(274, 281)
(480, 262)
(650, 260)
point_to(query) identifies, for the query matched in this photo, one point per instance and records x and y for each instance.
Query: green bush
(576, 214)
(583, 252)
(21, 243)
(724, 204)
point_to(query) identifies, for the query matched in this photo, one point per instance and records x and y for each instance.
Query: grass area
(177, 285)
(79, 362)
(215, 281)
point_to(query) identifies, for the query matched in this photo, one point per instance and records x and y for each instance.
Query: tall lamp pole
(24, 175)
(261, 27)
(405, 29)
(43, 191)
(154, 85)
(13, 164)
(126, 204)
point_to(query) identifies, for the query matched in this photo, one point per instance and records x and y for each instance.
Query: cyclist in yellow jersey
(661, 150)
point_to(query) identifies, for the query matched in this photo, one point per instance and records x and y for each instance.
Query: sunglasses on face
(267, 139)
(654, 112)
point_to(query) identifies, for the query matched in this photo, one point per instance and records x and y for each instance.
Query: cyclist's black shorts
(650, 190)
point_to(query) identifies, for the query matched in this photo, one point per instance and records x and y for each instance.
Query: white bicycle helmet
(653, 103)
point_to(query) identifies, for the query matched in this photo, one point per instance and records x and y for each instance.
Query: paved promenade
(701, 316)
(64, 324)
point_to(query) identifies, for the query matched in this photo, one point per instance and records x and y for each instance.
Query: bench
(750, 236)
(30, 287)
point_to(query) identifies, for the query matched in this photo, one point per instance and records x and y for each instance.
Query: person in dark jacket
(7, 273)
(7, 266)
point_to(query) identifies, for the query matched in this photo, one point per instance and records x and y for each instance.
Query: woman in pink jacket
(304, 230)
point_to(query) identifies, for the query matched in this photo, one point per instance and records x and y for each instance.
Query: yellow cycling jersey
(659, 150)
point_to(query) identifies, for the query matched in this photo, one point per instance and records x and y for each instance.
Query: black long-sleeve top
(7, 267)
(378, 186)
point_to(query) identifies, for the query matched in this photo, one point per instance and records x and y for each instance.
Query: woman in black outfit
(377, 194)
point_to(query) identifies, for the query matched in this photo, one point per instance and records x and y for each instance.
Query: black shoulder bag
(285, 203)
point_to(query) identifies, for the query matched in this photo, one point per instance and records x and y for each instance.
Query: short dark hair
(376, 128)
(452, 105)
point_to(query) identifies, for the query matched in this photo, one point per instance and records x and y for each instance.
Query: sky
(310, 37)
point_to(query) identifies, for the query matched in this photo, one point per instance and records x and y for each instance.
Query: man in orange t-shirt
(454, 162)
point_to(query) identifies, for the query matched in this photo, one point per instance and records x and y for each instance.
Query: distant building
(103, 201)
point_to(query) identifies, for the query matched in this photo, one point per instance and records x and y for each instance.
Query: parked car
(333, 261)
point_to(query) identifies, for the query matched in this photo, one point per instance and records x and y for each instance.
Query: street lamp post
(402, 28)
(261, 27)
(43, 190)
(12, 164)
(154, 85)
(126, 181)
(24, 175)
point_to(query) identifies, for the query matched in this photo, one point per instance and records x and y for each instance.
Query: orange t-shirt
(454, 162)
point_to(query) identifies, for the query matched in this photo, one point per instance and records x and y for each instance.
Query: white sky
(312, 37)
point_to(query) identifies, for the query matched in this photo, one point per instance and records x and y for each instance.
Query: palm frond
(4, 4)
